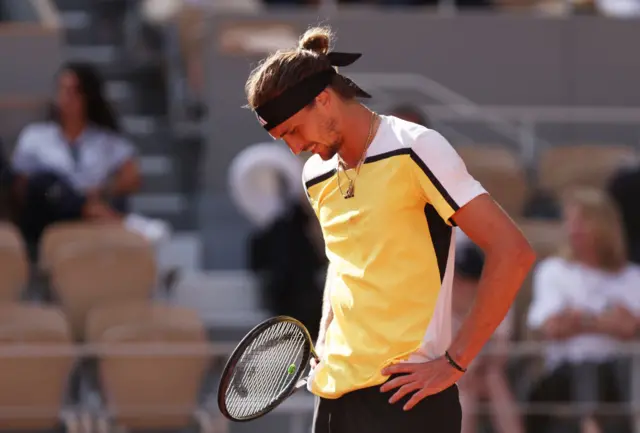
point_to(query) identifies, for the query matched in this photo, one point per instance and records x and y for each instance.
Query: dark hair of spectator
(91, 86)
(469, 261)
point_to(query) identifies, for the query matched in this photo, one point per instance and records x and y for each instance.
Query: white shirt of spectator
(559, 284)
(42, 147)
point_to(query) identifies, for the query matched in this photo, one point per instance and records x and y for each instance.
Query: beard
(328, 154)
(330, 151)
(333, 136)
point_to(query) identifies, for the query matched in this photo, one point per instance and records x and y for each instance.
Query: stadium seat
(15, 113)
(501, 173)
(159, 389)
(57, 236)
(33, 384)
(13, 263)
(562, 168)
(229, 302)
(117, 268)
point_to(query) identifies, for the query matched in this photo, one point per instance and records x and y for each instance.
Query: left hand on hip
(425, 378)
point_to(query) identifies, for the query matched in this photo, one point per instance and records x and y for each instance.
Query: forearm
(561, 326)
(622, 328)
(504, 272)
(125, 182)
(123, 186)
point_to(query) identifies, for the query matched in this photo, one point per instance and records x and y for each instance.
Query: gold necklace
(351, 189)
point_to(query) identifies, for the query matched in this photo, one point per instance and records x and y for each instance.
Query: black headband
(301, 94)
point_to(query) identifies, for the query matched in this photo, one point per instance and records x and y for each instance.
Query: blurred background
(148, 222)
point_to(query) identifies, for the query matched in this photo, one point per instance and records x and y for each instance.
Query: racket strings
(262, 372)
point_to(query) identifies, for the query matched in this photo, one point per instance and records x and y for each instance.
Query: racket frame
(228, 372)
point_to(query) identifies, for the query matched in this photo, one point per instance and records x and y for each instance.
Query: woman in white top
(583, 302)
(77, 164)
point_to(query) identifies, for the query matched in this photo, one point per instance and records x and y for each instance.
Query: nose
(296, 146)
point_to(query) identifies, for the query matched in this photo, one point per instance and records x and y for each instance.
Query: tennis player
(387, 194)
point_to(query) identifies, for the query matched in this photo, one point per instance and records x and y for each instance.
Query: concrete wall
(496, 60)
(31, 56)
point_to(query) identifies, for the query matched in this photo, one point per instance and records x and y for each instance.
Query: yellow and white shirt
(392, 247)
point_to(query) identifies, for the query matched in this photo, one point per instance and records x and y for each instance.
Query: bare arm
(126, 180)
(508, 259)
(617, 322)
(561, 326)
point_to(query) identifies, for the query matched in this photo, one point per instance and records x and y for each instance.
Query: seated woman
(486, 377)
(582, 305)
(77, 165)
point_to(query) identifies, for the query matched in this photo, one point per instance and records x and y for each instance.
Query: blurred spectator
(486, 377)
(289, 2)
(581, 304)
(618, 8)
(192, 32)
(6, 178)
(77, 164)
(624, 187)
(285, 251)
(411, 113)
(190, 17)
(287, 259)
(459, 3)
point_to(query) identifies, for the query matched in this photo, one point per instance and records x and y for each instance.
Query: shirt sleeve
(442, 175)
(628, 293)
(547, 299)
(24, 159)
(122, 151)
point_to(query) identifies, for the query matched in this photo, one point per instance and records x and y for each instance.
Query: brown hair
(284, 69)
(600, 210)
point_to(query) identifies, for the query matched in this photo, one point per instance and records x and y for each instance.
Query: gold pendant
(350, 191)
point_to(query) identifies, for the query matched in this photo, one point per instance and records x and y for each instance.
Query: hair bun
(317, 39)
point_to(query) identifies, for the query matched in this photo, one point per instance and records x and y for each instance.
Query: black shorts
(369, 411)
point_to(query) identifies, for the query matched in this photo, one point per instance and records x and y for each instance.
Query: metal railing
(299, 407)
(517, 125)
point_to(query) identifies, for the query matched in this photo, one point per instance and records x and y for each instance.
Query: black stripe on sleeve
(434, 180)
(316, 180)
(385, 155)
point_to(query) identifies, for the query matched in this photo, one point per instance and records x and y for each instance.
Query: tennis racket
(265, 369)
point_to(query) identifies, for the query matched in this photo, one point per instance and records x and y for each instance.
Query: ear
(323, 98)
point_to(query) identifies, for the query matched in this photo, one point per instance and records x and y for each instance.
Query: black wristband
(453, 363)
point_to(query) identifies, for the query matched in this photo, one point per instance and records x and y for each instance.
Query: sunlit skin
(328, 126)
